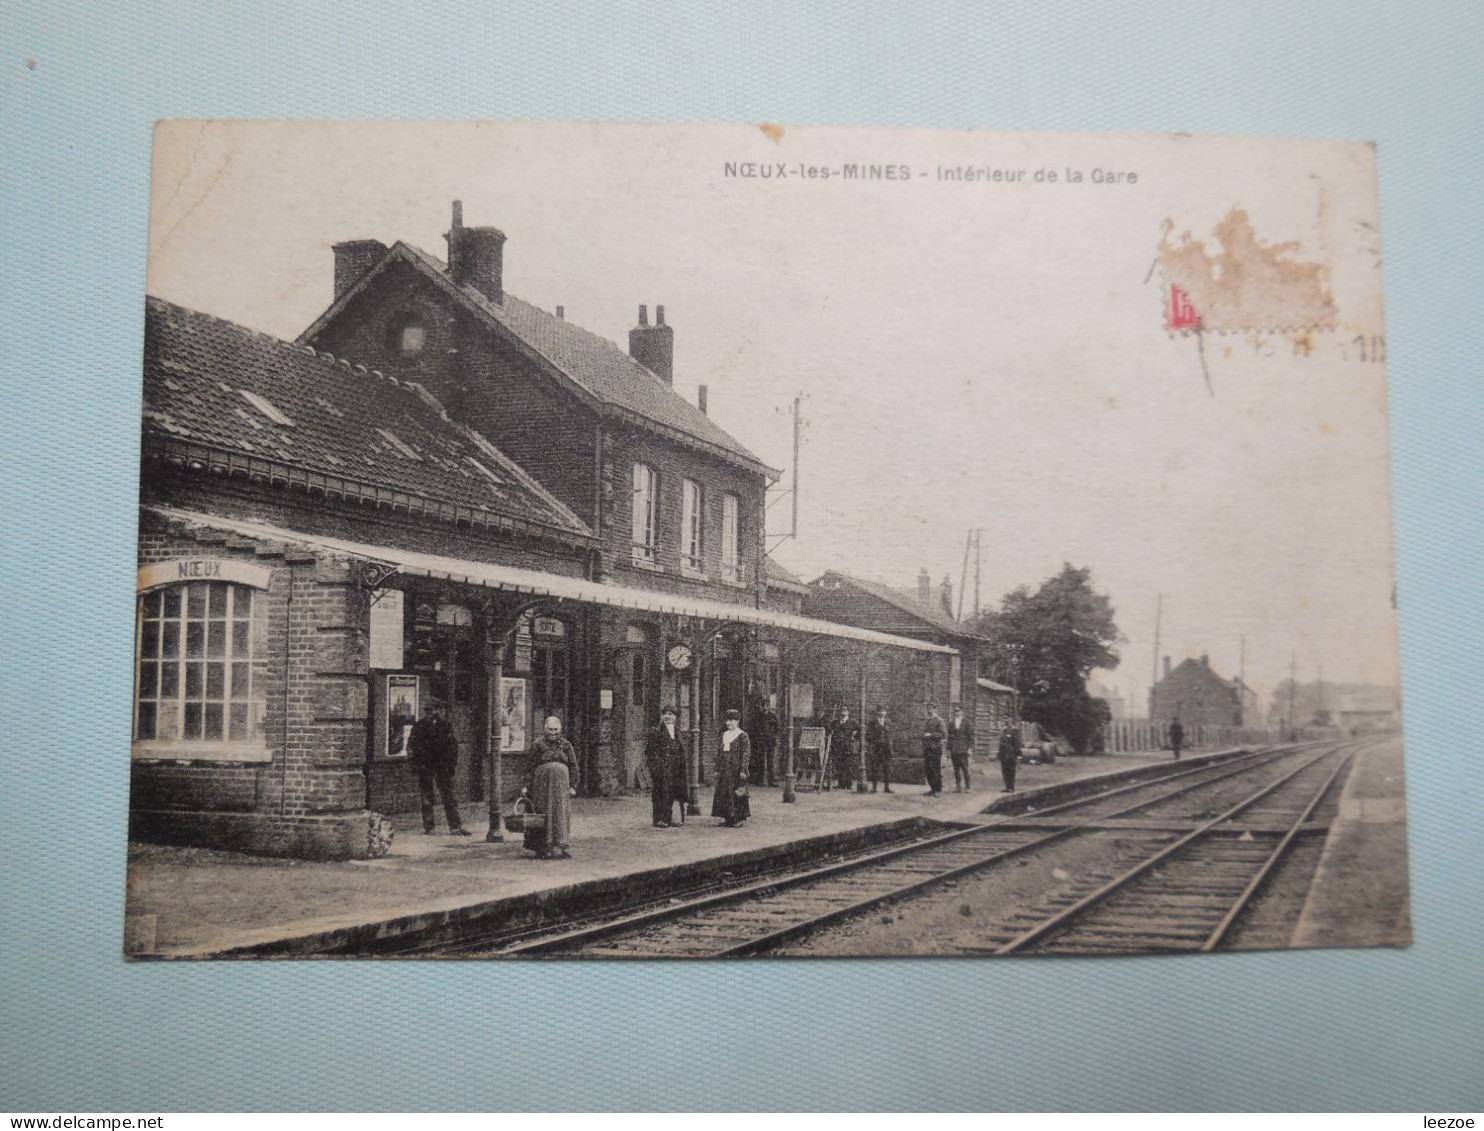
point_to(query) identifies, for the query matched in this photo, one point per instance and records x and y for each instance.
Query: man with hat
(960, 748)
(433, 750)
(934, 733)
(1009, 755)
(878, 750)
(664, 752)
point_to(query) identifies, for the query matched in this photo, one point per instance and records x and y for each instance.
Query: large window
(645, 506)
(195, 676)
(731, 538)
(690, 527)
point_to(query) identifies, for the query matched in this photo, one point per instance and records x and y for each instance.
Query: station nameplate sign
(203, 569)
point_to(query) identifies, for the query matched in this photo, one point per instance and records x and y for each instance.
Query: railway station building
(441, 492)
(901, 682)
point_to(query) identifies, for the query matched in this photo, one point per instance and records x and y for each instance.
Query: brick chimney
(945, 595)
(1205, 660)
(654, 346)
(924, 586)
(1167, 667)
(701, 392)
(476, 257)
(353, 259)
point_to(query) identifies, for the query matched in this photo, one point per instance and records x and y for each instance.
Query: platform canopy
(538, 584)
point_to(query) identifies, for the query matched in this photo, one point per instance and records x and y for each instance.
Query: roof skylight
(266, 407)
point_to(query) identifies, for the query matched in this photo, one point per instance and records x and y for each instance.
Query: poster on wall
(386, 629)
(401, 713)
(514, 724)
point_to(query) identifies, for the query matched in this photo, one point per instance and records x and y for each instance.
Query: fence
(1120, 738)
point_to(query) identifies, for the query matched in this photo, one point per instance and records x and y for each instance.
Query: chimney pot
(654, 346)
(924, 585)
(353, 259)
(700, 394)
(476, 257)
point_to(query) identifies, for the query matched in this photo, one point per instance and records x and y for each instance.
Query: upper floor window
(646, 500)
(731, 538)
(690, 526)
(194, 682)
(411, 338)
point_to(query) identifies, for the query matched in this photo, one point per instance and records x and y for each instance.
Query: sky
(971, 351)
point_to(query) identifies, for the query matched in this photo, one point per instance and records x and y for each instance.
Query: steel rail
(1098, 895)
(655, 916)
(1271, 863)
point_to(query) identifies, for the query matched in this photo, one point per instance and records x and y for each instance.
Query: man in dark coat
(1177, 737)
(765, 746)
(1009, 755)
(960, 748)
(845, 732)
(933, 735)
(433, 750)
(664, 751)
(878, 750)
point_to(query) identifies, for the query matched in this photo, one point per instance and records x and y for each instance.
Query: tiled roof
(215, 384)
(596, 365)
(927, 613)
(776, 574)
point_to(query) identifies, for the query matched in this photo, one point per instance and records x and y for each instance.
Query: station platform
(1359, 896)
(194, 902)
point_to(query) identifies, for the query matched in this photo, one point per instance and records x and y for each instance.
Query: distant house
(1196, 695)
(1117, 704)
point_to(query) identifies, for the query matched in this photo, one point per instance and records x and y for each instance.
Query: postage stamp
(627, 541)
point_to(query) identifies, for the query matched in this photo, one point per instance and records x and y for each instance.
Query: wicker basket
(524, 818)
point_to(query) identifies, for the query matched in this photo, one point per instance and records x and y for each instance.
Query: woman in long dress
(730, 801)
(555, 764)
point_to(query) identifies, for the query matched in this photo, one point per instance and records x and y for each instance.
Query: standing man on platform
(433, 750)
(765, 746)
(844, 734)
(878, 750)
(1009, 755)
(933, 735)
(960, 748)
(664, 751)
(1177, 736)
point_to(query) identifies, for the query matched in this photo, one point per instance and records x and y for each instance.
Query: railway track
(760, 914)
(1189, 893)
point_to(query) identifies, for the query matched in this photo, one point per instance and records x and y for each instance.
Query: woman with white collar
(731, 802)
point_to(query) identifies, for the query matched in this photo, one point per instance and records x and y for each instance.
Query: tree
(1051, 641)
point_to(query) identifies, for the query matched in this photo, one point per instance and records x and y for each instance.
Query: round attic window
(410, 338)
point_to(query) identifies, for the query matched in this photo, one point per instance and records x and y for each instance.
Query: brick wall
(309, 674)
(674, 463)
(485, 385)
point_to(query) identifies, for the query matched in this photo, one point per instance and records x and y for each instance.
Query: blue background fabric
(80, 86)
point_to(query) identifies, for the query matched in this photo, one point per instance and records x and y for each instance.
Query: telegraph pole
(978, 561)
(1292, 687)
(1159, 609)
(793, 489)
(1242, 683)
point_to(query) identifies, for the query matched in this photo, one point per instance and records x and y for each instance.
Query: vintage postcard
(583, 540)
